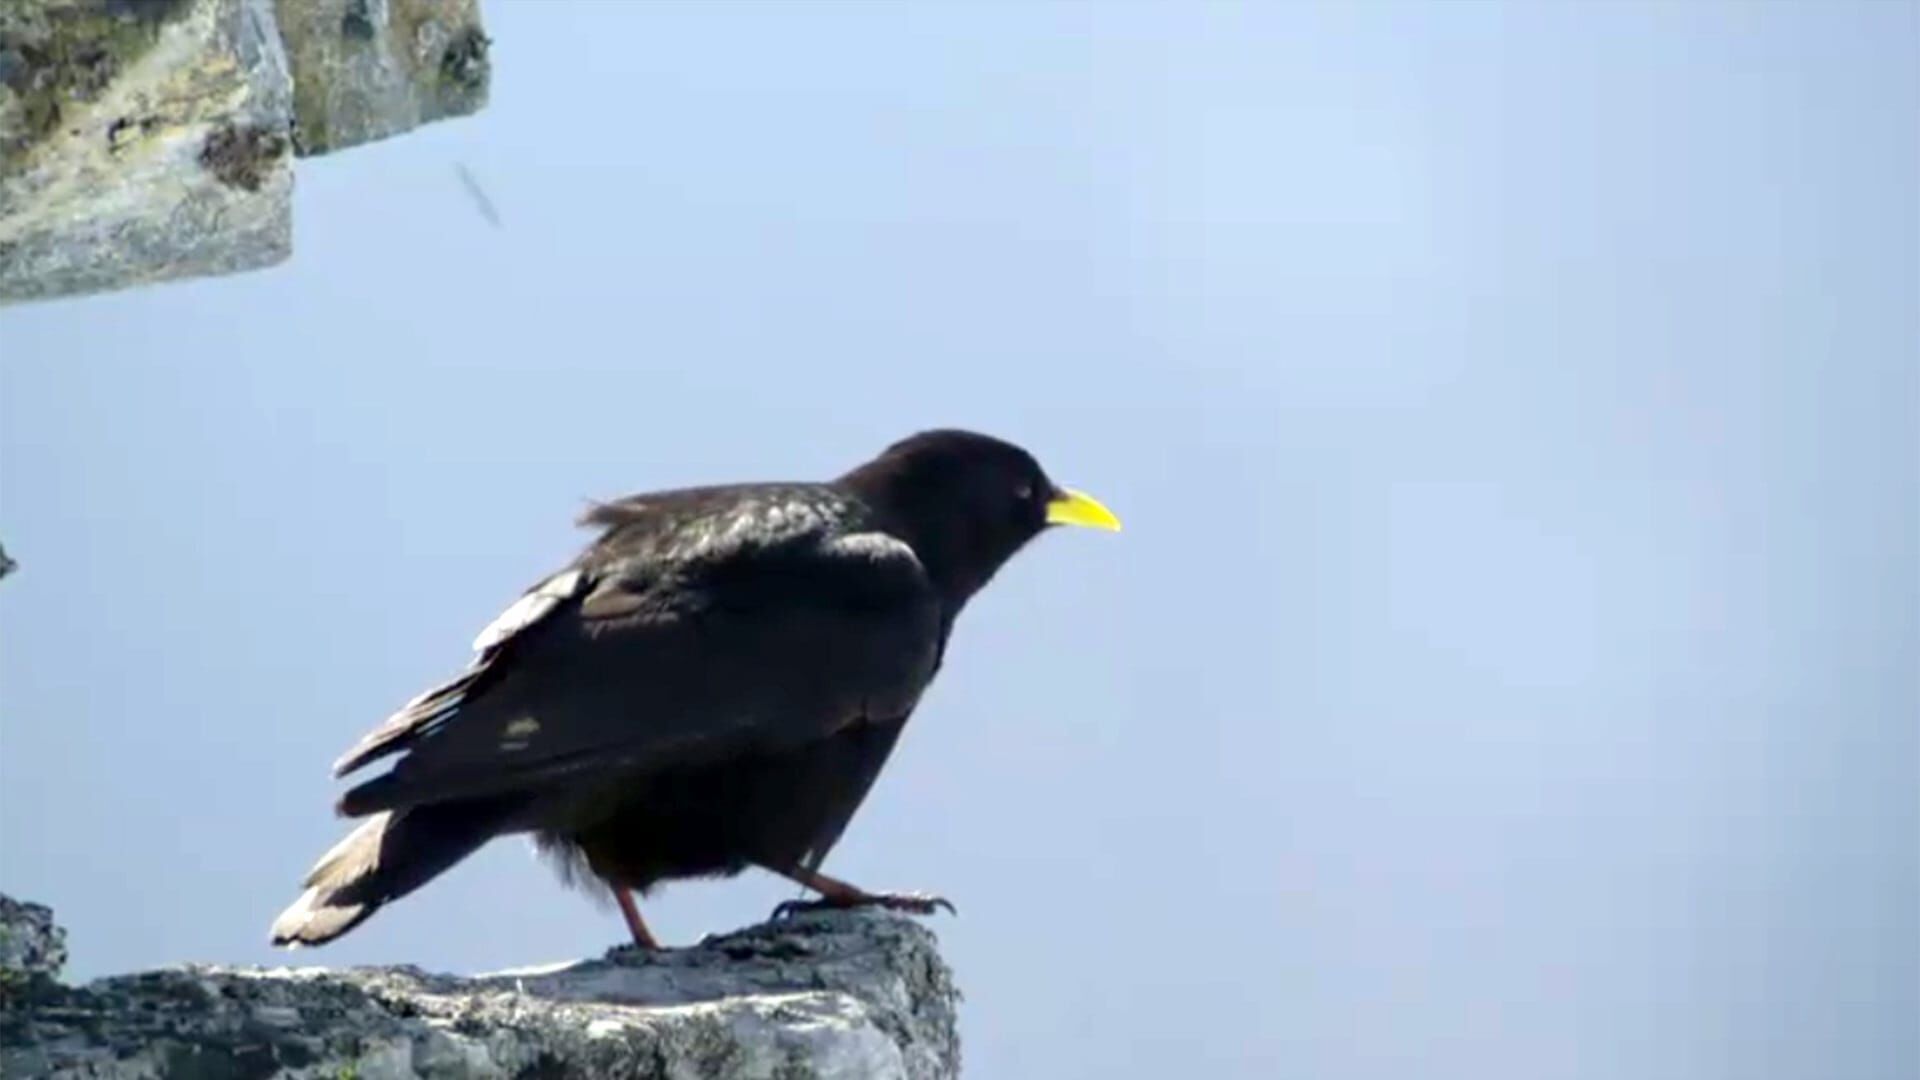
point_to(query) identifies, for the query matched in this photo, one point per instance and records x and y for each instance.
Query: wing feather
(430, 710)
(742, 628)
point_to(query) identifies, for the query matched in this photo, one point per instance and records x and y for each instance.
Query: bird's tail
(388, 856)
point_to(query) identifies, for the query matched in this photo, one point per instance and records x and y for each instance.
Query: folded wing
(687, 634)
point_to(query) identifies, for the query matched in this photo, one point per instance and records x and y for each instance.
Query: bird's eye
(1024, 493)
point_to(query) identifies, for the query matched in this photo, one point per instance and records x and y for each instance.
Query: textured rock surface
(144, 140)
(140, 142)
(366, 69)
(30, 942)
(826, 995)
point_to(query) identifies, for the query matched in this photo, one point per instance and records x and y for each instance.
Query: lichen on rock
(104, 123)
(243, 156)
(366, 69)
(146, 140)
(59, 56)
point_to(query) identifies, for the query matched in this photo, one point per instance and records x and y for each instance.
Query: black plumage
(714, 683)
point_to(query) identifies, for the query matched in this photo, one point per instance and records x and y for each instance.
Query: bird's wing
(426, 712)
(716, 634)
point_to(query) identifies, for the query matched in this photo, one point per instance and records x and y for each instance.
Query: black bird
(714, 683)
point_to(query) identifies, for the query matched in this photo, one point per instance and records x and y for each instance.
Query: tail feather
(388, 856)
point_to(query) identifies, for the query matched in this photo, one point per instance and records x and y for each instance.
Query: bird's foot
(911, 903)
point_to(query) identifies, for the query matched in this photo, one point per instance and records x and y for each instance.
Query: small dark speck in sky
(479, 195)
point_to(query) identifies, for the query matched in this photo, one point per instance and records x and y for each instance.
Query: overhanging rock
(147, 140)
(367, 69)
(831, 996)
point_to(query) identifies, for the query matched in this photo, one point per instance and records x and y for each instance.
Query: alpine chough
(714, 683)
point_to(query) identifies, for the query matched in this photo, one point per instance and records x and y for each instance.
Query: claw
(790, 908)
(917, 903)
(912, 903)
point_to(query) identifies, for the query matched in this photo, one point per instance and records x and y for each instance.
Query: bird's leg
(637, 926)
(837, 894)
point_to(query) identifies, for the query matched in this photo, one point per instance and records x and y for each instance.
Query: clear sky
(1509, 667)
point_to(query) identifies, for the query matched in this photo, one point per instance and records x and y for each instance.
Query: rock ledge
(837, 995)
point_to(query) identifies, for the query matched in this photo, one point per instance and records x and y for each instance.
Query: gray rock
(367, 69)
(825, 995)
(147, 140)
(30, 943)
(139, 142)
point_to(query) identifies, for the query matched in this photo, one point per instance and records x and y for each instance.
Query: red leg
(635, 924)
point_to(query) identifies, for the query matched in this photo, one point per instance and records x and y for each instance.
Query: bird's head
(966, 503)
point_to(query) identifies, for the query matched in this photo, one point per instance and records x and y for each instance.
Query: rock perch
(832, 995)
(148, 140)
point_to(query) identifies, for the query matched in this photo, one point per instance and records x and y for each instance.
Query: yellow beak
(1070, 507)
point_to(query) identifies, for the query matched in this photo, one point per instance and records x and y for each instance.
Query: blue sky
(1508, 669)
